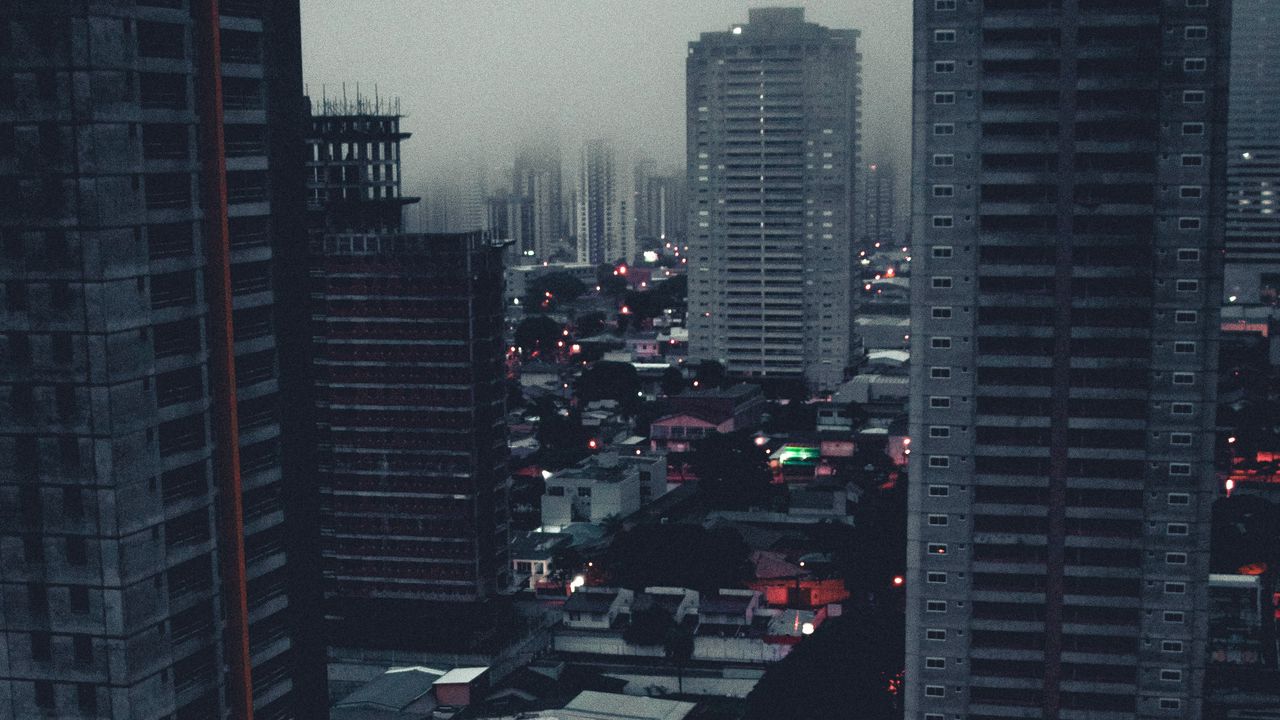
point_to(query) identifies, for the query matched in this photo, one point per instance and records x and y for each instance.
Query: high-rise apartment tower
(772, 153)
(1069, 170)
(151, 217)
(605, 205)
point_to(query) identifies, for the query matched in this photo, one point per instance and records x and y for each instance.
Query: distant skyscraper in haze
(511, 217)
(773, 116)
(151, 225)
(1253, 159)
(1068, 218)
(660, 207)
(878, 221)
(536, 177)
(605, 205)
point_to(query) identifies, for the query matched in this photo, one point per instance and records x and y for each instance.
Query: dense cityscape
(814, 424)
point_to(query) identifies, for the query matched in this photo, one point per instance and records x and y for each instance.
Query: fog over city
(477, 77)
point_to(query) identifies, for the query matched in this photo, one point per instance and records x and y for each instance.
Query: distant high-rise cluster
(1068, 221)
(1253, 156)
(537, 181)
(604, 205)
(660, 206)
(772, 117)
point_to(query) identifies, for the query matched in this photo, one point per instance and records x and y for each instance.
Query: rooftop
(462, 676)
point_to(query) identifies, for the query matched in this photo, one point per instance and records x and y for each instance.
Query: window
(77, 551)
(1171, 646)
(944, 5)
(1179, 469)
(941, 283)
(944, 191)
(938, 520)
(942, 252)
(1175, 558)
(938, 549)
(939, 491)
(1179, 499)
(41, 647)
(940, 343)
(1182, 408)
(44, 694)
(1173, 703)
(1177, 529)
(943, 221)
(939, 403)
(944, 160)
(1175, 588)
(939, 431)
(935, 578)
(1185, 316)
(939, 373)
(944, 36)
(1174, 616)
(1184, 378)
(79, 599)
(1191, 160)
(1188, 255)
(935, 606)
(1195, 32)
(939, 461)
(82, 646)
(1190, 192)
(1193, 128)
(37, 599)
(1185, 347)
(1195, 65)
(1180, 439)
(935, 663)
(1171, 675)
(944, 66)
(944, 98)
(940, 313)
(935, 634)
(1193, 97)
(1188, 223)
(935, 691)
(87, 699)
(944, 129)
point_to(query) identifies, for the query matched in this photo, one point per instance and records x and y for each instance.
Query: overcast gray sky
(477, 76)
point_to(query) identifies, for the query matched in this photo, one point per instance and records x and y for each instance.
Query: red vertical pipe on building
(222, 361)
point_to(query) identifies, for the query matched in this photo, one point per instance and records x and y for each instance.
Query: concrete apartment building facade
(151, 185)
(772, 156)
(1069, 204)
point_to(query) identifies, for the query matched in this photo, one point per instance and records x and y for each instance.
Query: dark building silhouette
(151, 218)
(412, 435)
(1069, 190)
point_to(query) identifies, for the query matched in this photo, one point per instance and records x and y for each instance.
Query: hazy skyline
(476, 77)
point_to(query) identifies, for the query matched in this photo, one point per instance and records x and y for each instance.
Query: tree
(590, 324)
(850, 662)
(564, 288)
(672, 381)
(611, 283)
(679, 555)
(538, 333)
(648, 626)
(607, 380)
(710, 374)
(733, 472)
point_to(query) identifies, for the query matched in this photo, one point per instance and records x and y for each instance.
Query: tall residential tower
(772, 153)
(605, 217)
(1069, 200)
(151, 216)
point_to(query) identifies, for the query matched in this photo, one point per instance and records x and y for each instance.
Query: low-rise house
(615, 483)
(596, 608)
(727, 612)
(679, 431)
(531, 557)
